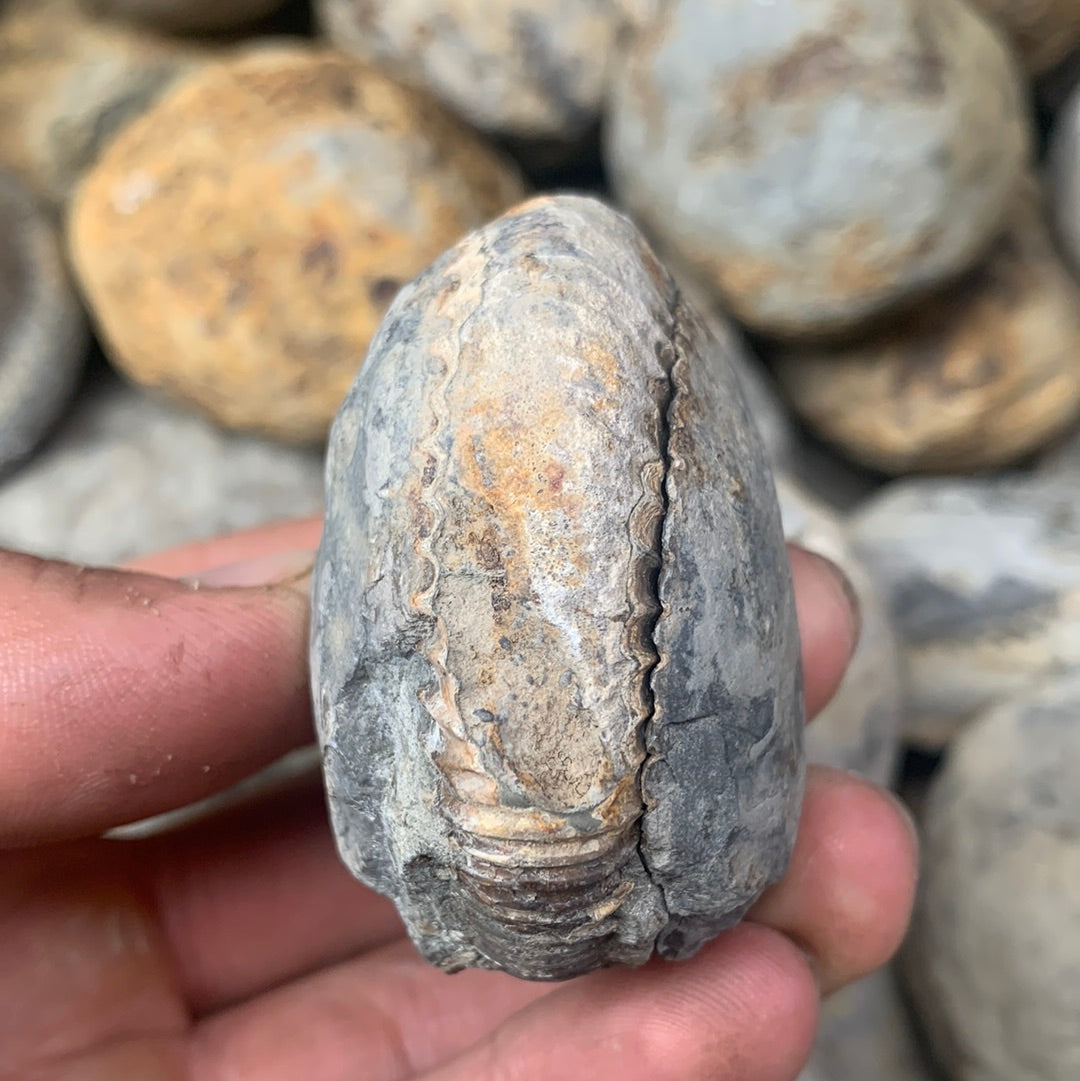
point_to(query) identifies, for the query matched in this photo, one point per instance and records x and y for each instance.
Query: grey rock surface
(1063, 175)
(126, 475)
(43, 331)
(993, 958)
(554, 654)
(819, 161)
(860, 728)
(982, 582)
(527, 68)
(866, 1034)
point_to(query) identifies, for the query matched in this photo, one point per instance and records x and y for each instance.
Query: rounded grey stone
(819, 161)
(555, 662)
(982, 582)
(860, 727)
(535, 69)
(126, 475)
(43, 331)
(993, 957)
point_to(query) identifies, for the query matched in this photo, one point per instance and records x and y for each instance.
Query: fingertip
(829, 623)
(850, 887)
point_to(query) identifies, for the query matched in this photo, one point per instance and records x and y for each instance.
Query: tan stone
(68, 84)
(974, 378)
(1042, 32)
(240, 243)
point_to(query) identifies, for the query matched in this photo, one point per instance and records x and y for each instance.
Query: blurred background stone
(43, 332)
(239, 244)
(993, 959)
(981, 578)
(1063, 171)
(860, 727)
(185, 16)
(981, 374)
(819, 162)
(1042, 32)
(866, 1034)
(532, 69)
(69, 83)
(128, 475)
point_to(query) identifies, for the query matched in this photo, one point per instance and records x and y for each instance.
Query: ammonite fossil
(555, 657)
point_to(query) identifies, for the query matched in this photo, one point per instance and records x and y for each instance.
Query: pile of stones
(206, 208)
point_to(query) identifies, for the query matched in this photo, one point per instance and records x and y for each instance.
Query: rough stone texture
(982, 374)
(993, 958)
(982, 580)
(126, 475)
(68, 84)
(1042, 32)
(555, 661)
(528, 68)
(1063, 175)
(184, 16)
(819, 161)
(241, 241)
(865, 1034)
(43, 333)
(860, 728)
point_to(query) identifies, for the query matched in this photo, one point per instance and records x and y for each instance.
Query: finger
(234, 937)
(847, 895)
(745, 1007)
(828, 624)
(256, 896)
(299, 534)
(122, 695)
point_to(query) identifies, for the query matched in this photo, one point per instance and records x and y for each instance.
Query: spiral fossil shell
(554, 653)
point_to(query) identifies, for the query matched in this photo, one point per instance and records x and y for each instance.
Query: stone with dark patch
(818, 162)
(43, 332)
(982, 582)
(562, 723)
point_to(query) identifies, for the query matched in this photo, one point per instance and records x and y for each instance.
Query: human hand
(239, 947)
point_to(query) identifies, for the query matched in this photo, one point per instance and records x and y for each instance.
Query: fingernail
(278, 568)
(848, 596)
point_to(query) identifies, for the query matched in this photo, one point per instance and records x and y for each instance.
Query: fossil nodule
(554, 654)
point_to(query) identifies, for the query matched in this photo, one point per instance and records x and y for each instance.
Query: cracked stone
(554, 654)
